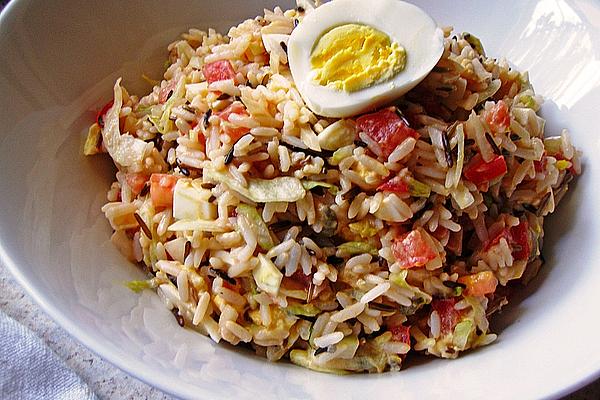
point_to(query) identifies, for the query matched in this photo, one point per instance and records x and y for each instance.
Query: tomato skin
(394, 185)
(386, 128)
(234, 132)
(479, 284)
(520, 236)
(102, 113)
(136, 182)
(412, 250)
(498, 117)
(161, 189)
(448, 314)
(218, 71)
(165, 93)
(516, 235)
(400, 333)
(478, 171)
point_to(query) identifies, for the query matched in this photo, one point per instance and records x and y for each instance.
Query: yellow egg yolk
(352, 57)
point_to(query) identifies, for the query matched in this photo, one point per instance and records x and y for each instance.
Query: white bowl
(59, 61)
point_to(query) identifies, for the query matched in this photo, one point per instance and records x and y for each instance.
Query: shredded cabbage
(353, 248)
(265, 241)
(308, 185)
(363, 228)
(281, 189)
(462, 332)
(124, 149)
(340, 154)
(267, 276)
(418, 189)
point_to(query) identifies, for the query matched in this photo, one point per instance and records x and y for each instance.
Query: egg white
(404, 23)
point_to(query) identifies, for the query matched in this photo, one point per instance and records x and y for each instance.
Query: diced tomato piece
(440, 233)
(498, 117)
(504, 233)
(102, 113)
(165, 93)
(479, 284)
(448, 314)
(161, 189)
(400, 333)
(517, 238)
(386, 128)
(396, 185)
(520, 241)
(478, 171)
(412, 250)
(136, 182)
(234, 132)
(218, 71)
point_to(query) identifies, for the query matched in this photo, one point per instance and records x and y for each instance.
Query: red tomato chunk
(167, 91)
(479, 284)
(102, 113)
(136, 182)
(161, 189)
(412, 250)
(498, 117)
(517, 237)
(394, 185)
(448, 314)
(386, 128)
(400, 333)
(478, 171)
(218, 71)
(234, 132)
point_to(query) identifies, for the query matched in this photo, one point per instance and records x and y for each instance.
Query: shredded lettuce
(563, 164)
(462, 196)
(474, 42)
(306, 360)
(418, 189)
(267, 276)
(284, 188)
(307, 310)
(265, 241)
(164, 123)
(308, 185)
(138, 286)
(363, 228)
(491, 90)
(552, 144)
(461, 334)
(354, 248)
(125, 149)
(152, 82)
(340, 154)
(93, 139)
(419, 297)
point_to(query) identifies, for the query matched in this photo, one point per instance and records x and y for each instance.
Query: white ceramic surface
(59, 61)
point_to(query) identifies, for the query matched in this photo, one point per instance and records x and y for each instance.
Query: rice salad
(343, 245)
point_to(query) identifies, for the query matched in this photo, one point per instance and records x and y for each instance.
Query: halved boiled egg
(352, 56)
